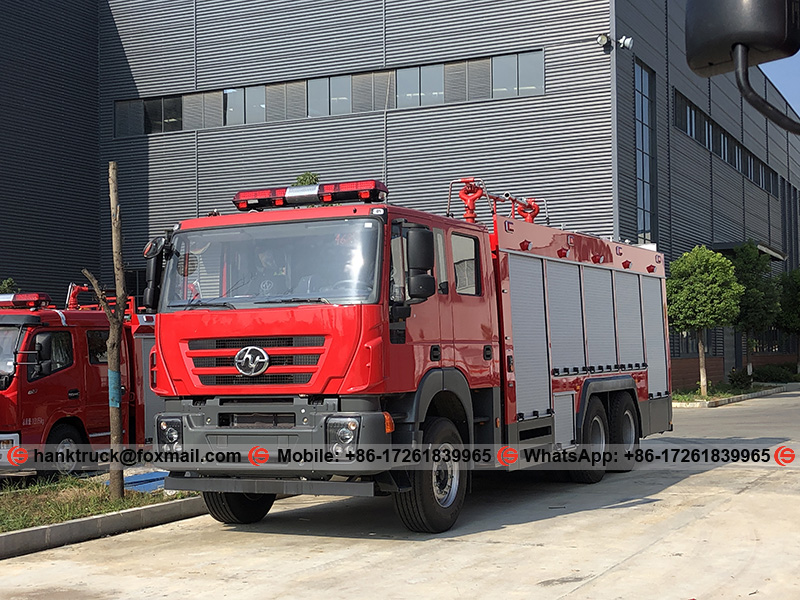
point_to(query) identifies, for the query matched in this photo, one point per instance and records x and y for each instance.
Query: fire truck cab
(54, 375)
(323, 316)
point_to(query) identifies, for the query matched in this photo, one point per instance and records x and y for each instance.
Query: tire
(63, 437)
(623, 429)
(437, 492)
(594, 438)
(238, 508)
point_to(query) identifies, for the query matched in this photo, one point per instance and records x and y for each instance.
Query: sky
(785, 74)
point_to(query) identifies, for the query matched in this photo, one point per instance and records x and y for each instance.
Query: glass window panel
(407, 87)
(255, 110)
(638, 77)
(173, 113)
(233, 106)
(153, 116)
(431, 85)
(531, 73)
(639, 135)
(341, 95)
(318, 98)
(504, 76)
(466, 263)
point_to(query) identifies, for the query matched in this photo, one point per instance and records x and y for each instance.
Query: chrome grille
(302, 341)
(293, 360)
(265, 379)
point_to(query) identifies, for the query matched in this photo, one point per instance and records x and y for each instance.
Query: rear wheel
(238, 508)
(594, 438)
(624, 429)
(437, 491)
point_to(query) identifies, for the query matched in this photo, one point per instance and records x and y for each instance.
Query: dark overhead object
(733, 35)
(769, 28)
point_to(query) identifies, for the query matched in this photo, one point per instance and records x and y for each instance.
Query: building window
(318, 98)
(518, 75)
(341, 95)
(420, 86)
(694, 123)
(153, 116)
(431, 85)
(408, 87)
(505, 76)
(233, 106)
(255, 110)
(645, 152)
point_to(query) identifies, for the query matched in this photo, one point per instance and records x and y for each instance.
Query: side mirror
(770, 29)
(421, 286)
(420, 249)
(733, 35)
(154, 253)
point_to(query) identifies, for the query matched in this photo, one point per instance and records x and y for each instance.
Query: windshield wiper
(202, 304)
(293, 301)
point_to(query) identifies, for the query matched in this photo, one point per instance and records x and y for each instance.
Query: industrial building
(588, 105)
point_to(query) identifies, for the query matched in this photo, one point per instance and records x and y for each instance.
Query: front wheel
(437, 491)
(62, 442)
(238, 508)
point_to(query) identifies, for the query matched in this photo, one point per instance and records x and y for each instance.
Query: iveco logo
(251, 361)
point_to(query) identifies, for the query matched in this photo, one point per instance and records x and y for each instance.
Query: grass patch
(30, 503)
(716, 392)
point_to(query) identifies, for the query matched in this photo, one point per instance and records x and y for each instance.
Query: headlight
(169, 432)
(341, 434)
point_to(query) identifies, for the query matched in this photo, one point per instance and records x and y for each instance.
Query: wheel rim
(628, 432)
(446, 478)
(597, 434)
(64, 446)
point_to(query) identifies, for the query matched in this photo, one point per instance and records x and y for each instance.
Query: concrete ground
(725, 532)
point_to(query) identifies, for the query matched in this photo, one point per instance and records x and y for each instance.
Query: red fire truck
(323, 316)
(54, 375)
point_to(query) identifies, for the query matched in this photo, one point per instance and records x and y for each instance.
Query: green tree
(702, 293)
(307, 178)
(760, 303)
(789, 316)
(8, 286)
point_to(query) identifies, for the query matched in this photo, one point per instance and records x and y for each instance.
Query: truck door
(52, 387)
(415, 341)
(471, 299)
(95, 366)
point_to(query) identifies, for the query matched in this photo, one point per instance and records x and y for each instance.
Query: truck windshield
(330, 261)
(9, 343)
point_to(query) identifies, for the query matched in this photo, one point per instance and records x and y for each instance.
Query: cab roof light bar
(369, 190)
(30, 300)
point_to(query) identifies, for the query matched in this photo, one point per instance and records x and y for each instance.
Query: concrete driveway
(725, 532)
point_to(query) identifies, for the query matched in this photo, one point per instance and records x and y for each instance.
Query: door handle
(122, 389)
(436, 353)
(74, 394)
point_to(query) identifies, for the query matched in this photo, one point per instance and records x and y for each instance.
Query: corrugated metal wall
(701, 199)
(48, 143)
(523, 145)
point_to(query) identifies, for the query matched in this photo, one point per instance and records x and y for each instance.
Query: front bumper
(7, 441)
(270, 486)
(298, 426)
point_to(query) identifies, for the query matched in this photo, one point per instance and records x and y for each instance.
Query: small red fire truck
(322, 316)
(54, 375)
